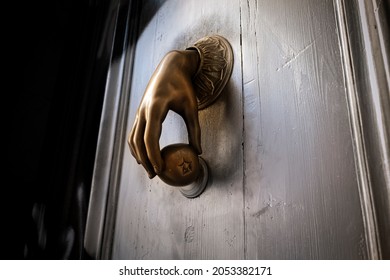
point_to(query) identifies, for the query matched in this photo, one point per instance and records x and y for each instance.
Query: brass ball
(181, 165)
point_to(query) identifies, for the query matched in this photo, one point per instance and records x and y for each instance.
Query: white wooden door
(283, 183)
(154, 221)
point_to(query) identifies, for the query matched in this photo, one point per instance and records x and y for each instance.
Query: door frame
(363, 31)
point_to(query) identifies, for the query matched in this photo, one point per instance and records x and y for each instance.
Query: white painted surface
(278, 142)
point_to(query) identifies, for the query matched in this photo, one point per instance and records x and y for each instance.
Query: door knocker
(185, 81)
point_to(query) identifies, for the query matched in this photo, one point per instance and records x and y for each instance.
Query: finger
(139, 147)
(194, 135)
(130, 141)
(153, 129)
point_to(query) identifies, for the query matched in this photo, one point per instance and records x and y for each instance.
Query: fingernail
(157, 169)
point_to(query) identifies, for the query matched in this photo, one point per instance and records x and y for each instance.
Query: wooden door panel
(301, 190)
(296, 144)
(154, 221)
(278, 142)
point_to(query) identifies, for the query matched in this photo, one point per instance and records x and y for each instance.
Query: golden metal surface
(184, 82)
(181, 165)
(215, 69)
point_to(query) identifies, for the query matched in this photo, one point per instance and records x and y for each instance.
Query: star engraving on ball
(186, 166)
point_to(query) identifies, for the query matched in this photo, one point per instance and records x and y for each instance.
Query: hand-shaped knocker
(184, 82)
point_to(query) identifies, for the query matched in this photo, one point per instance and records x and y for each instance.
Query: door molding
(104, 190)
(364, 42)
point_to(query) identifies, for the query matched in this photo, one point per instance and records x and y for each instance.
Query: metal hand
(170, 88)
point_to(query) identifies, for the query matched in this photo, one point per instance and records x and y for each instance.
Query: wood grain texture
(301, 191)
(154, 221)
(278, 143)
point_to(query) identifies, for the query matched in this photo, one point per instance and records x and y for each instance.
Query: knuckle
(129, 141)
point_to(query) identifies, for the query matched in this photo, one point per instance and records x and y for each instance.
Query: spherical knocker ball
(181, 165)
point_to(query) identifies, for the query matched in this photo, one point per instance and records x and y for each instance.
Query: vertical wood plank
(301, 190)
(154, 221)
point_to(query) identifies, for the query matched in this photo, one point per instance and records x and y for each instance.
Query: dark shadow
(58, 72)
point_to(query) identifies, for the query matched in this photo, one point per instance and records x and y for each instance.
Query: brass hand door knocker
(184, 82)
